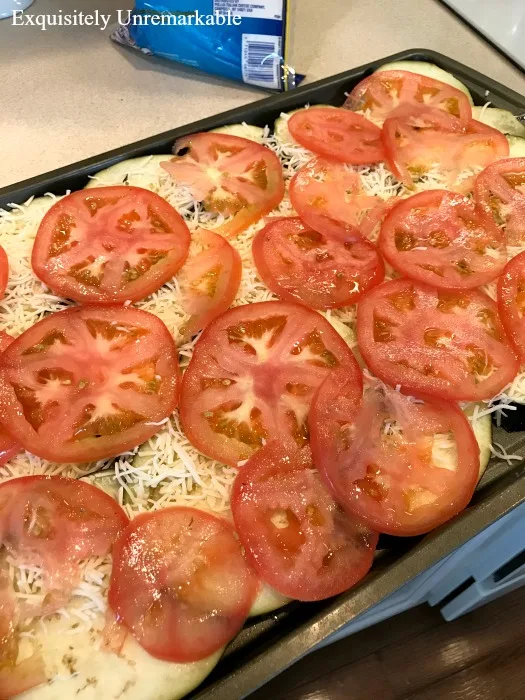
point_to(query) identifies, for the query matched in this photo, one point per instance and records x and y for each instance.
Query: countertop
(69, 92)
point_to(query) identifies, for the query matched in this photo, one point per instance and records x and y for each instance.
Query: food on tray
(294, 533)
(252, 376)
(324, 269)
(331, 188)
(511, 299)
(500, 119)
(88, 382)
(231, 176)
(444, 240)
(428, 70)
(329, 292)
(382, 94)
(444, 343)
(400, 465)
(338, 134)
(500, 192)
(110, 245)
(418, 138)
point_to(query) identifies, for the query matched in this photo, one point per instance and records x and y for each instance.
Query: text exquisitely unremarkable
(78, 18)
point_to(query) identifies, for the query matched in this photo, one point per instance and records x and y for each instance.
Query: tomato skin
(418, 139)
(327, 266)
(384, 93)
(511, 298)
(4, 271)
(456, 259)
(61, 426)
(219, 266)
(189, 564)
(327, 187)
(9, 447)
(337, 134)
(280, 481)
(252, 376)
(52, 523)
(99, 222)
(447, 344)
(499, 192)
(74, 520)
(384, 478)
(250, 177)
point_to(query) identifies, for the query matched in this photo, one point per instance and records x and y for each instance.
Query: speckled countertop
(69, 93)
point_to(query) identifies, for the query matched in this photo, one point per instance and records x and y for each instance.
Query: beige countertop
(69, 93)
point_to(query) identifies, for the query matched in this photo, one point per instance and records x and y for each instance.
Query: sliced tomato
(449, 344)
(444, 240)
(337, 134)
(401, 466)
(180, 583)
(15, 678)
(9, 447)
(381, 94)
(5, 340)
(209, 281)
(334, 189)
(511, 302)
(232, 176)
(500, 192)
(324, 269)
(53, 523)
(109, 245)
(296, 537)
(4, 271)
(88, 383)
(252, 376)
(419, 142)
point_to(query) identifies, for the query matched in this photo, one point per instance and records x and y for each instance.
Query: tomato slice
(448, 344)
(324, 269)
(4, 271)
(443, 239)
(9, 447)
(180, 583)
(53, 523)
(15, 678)
(511, 302)
(209, 281)
(337, 134)
(382, 93)
(88, 383)
(500, 192)
(401, 466)
(418, 142)
(252, 376)
(296, 537)
(333, 189)
(230, 175)
(109, 245)
(5, 340)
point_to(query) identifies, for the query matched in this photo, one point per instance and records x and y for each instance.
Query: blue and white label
(261, 60)
(264, 9)
(248, 48)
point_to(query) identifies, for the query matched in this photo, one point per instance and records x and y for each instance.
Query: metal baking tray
(268, 645)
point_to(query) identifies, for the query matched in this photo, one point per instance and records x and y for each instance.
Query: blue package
(242, 40)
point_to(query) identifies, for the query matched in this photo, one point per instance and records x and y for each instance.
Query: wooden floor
(418, 656)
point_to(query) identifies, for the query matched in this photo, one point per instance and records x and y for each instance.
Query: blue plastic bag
(244, 40)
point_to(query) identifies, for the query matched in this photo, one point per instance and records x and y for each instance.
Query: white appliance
(7, 7)
(501, 21)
